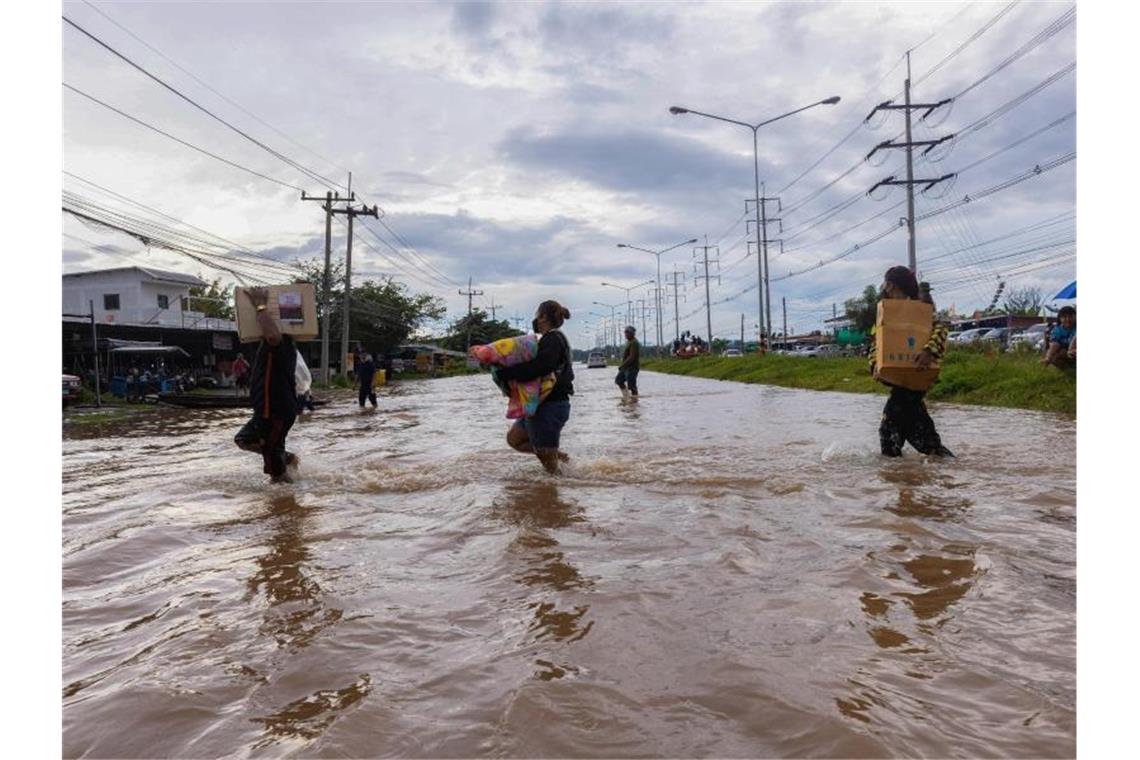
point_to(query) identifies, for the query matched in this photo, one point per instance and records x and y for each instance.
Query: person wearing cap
(630, 366)
(905, 419)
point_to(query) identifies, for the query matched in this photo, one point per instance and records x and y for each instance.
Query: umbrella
(1067, 292)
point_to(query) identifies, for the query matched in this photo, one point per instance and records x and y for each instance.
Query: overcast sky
(518, 143)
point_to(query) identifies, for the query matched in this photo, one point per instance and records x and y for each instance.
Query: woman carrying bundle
(542, 432)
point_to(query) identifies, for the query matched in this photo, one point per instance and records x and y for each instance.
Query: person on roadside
(1060, 338)
(542, 433)
(630, 366)
(365, 372)
(272, 394)
(905, 418)
(241, 373)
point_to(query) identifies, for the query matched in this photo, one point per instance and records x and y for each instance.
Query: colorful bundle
(507, 352)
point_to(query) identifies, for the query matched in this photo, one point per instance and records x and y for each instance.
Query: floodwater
(724, 570)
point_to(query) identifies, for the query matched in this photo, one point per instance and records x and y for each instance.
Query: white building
(137, 296)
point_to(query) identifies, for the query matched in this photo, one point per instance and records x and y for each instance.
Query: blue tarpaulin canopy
(1067, 292)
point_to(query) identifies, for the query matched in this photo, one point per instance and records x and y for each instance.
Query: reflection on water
(537, 510)
(296, 613)
(722, 570)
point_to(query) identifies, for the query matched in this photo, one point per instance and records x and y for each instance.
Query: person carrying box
(905, 419)
(272, 393)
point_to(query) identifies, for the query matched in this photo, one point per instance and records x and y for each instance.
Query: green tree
(212, 300)
(862, 310)
(483, 330)
(383, 313)
(1024, 301)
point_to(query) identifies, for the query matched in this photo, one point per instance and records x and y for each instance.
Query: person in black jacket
(542, 433)
(272, 394)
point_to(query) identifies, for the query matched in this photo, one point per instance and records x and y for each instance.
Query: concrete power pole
(784, 301)
(351, 213)
(329, 199)
(706, 277)
(470, 296)
(494, 308)
(909, 145)
(676, 304)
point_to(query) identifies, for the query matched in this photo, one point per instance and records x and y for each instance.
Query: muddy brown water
(724, 570)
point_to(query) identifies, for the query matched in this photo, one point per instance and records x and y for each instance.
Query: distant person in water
(542, 433)
(272, 393)
(905, 419)
(365, 372)
(630, 366)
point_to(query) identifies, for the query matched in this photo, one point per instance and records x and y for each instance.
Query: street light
(660, 329)
(761, 259)
(613, 318)
(628, 300)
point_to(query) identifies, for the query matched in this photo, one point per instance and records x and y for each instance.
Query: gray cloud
(625, 160)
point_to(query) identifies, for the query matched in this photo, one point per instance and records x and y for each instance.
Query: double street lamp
(613, 318)
(660, 333)
(761, 257)
(628, 299)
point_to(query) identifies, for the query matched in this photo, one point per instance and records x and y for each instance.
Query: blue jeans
(628, 376)
(544, 429)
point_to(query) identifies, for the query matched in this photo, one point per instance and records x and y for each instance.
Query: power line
(232, 102)
(300, 167)
(179, 140)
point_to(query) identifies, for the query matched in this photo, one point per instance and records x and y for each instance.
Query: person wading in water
(630, 366)
(905, 419)
(272, 393)
(542, 433)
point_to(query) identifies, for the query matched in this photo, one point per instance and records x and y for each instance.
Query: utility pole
(95, 348)
(642, 307)
(762, 222)
(742, 333)
(708, 298)
(494, 308)
(909, 145)
(351, 213)
(329, 199)
(470, 297)
(676, 304)
(784, 301)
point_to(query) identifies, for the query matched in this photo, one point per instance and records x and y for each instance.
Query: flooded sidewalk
(723, 570)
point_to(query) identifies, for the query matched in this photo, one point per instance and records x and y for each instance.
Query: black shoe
(942, 451)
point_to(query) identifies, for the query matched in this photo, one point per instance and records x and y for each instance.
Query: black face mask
(534, 325)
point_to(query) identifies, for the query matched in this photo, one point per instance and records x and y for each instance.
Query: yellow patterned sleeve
(937, 343)
(874, 343)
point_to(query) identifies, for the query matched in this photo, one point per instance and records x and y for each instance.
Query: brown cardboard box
(294, 307)
(902, 329)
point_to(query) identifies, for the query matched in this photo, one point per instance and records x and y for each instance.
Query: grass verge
(1015, 380)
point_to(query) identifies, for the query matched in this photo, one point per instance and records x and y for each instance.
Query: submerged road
(724, 570)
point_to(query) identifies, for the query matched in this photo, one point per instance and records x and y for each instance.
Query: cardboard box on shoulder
(902, 328)
(294, 306)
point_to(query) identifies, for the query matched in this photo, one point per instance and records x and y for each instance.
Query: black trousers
(366, 392)
(267, 437)
(905, 420)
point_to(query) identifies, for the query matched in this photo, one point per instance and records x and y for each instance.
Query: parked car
(1034, 336)
(998, 335)
(71, 389)
(825, 350)
(731, 352)
(969, 336)
(596, 360)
